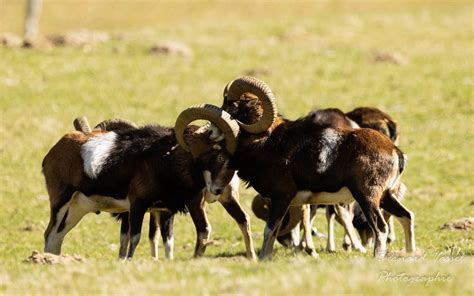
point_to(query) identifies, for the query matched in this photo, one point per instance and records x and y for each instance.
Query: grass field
(317, 54)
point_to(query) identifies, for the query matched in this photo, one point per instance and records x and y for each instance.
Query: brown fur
(362, 160)
(136, 179)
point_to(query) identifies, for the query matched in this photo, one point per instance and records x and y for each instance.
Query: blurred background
(146, 61)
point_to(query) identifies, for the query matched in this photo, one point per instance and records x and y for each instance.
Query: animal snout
(216, 191)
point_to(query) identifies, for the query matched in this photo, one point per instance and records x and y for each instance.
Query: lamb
(297, 162)
(153, 167)
(161, 222)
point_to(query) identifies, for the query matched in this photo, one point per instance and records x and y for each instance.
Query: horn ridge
(234, 90)
(212, 113)
(82, 124)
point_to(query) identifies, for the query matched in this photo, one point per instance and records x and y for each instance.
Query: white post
(31, 22)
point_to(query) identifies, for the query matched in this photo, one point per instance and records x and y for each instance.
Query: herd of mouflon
(348, 164)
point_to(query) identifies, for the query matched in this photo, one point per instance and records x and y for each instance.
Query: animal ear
(216, 147)
(197, 143)
(393, 129)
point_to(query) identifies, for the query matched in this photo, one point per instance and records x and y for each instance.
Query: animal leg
(406, 218)
(154, 233)
(166, 226)
(399, 194)
(230, 201)
(391, 227)
(137, 212)
(345, 217)
(314, 230)
(309, 248)
(203, 228)
(376, 221)
(278, 209)
(124, 235)
(295, 237)
(330, 217)
(52, 240)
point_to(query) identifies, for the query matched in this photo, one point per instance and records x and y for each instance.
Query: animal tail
(402, 161)
(392, 129)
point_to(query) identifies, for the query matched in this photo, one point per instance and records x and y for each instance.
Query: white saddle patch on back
(329, 141)
(95, 152)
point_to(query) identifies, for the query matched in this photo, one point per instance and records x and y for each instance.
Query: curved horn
(236, 88)
(115, 124)
(214, 114)
(82, 124)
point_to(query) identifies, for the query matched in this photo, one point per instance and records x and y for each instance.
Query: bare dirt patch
(29, 227)
(390, 57)
(459, 224)
(10, 40)
(47, 258)
(79, 38)
(171, 48)
(258, 72)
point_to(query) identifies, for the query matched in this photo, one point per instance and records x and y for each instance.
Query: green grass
(315, 55)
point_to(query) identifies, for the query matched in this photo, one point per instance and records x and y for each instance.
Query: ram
(161, 222)
(369, 117)
(299, 162)
(350, 215)
(133, 171)
(288, 234)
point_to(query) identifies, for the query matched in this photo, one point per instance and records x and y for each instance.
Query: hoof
(252, 257)
(312, 253)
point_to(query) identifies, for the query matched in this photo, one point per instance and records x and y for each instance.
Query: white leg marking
(346, 218)
(53, 241)
(391, 230)
(381, 238)
(154, 243)
(74, 215)
(310, 249)
(124, 242)
(202, 241)
(134, 240)
(331, 245)
(409, 230)
(154, 228)
(295, 236)
(169, 246)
